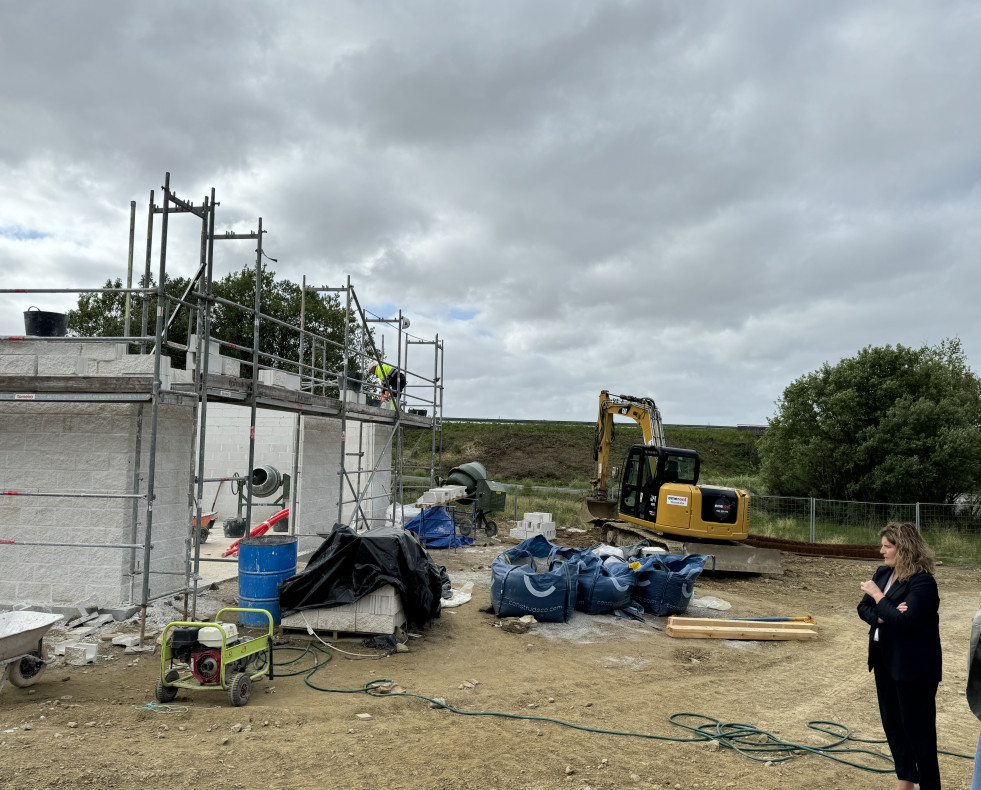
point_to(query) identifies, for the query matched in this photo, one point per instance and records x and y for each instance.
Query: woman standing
(901, 605)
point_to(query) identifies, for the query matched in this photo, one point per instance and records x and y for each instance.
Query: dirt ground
(81, 727)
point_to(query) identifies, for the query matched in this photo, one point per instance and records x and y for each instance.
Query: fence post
(917, 516)
(813, 527)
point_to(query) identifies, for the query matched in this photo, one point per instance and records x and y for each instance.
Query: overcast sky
(693, 201)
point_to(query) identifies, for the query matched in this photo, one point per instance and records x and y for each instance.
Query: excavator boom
(644, 412)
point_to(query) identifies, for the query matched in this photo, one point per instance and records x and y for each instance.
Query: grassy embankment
(560, 455)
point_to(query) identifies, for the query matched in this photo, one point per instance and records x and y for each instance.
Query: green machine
(483, 495)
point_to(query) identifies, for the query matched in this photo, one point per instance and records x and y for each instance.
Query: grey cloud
(699, 202)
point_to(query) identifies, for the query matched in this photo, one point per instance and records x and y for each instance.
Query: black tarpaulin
(348, 566)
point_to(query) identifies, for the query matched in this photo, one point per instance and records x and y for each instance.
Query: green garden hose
(746, 739)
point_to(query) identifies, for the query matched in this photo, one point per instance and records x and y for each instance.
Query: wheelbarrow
(21, 652)
(204, 527)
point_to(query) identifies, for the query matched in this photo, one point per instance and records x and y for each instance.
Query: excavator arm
(642, 411)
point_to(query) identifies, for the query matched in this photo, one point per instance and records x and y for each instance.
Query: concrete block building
(85, 439)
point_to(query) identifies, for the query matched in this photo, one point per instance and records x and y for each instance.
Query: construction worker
(392, 381)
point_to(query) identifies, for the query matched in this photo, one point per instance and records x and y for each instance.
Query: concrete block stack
(132, 365)
(441, 495)
(44, 358)
(535, 524)
(350, 396)
(279, 378)
(379, 612)
(217, 364)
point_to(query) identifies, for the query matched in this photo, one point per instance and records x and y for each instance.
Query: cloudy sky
(693, 201)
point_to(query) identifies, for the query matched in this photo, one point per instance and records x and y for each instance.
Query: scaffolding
(324, 390)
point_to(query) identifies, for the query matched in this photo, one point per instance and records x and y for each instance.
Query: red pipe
(259, 529)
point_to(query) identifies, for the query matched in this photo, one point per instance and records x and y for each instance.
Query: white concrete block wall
(131, 365)
(87, 448)
(35, 347)
(18, 365)
(98, 352)
(97, 447)
(57, 365)
(374, 441)
(175, 443)
(319, 478)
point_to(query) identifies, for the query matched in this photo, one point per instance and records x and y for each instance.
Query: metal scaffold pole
(155, 410)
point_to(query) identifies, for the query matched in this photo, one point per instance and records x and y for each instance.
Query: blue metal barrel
(263, 562)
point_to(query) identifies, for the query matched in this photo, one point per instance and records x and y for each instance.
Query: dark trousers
(909, 718)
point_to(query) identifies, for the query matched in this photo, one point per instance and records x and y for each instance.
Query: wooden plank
(761, 634)
(715, 621)
(76, 384)
(428, 505)
(708, 628)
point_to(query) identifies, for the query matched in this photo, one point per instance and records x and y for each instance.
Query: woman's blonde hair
(912, 553)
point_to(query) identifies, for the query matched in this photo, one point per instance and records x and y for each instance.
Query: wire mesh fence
(953, 531)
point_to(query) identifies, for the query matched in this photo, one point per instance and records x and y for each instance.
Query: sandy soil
(81, 727)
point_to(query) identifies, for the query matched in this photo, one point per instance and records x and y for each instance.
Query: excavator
(660, 499)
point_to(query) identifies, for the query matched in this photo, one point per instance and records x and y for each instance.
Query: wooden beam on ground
(710, 628)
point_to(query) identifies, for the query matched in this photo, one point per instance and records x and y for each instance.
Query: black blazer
(909, 642)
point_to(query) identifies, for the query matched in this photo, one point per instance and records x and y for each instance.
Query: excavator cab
(646, 470)
(660, 491)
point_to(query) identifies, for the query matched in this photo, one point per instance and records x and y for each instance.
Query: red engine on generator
(200, 648)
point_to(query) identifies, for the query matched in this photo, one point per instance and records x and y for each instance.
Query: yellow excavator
(659, 497)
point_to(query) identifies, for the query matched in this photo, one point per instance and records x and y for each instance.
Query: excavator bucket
(596, 511)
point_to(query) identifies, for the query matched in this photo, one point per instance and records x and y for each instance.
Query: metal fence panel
(780, 517)
(952, 531)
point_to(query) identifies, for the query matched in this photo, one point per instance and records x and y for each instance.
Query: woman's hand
(902, 607)
(871, 589)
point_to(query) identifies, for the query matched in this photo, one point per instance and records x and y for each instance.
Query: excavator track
(729, 556)
(756, 554)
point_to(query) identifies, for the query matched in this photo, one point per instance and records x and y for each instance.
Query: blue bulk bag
(664, 583)
(529, 579)
(436, 530)
(605, 587)
(601, 587)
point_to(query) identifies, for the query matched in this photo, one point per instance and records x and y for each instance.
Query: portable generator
(198, 655)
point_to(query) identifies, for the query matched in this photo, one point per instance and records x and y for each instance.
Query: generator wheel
(164, 694)
(490, 528)
(25, 672)
(239, 689)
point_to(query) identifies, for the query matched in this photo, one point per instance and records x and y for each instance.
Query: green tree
(889, 425)
(98, 314)
(102, 315)
(323, 315)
